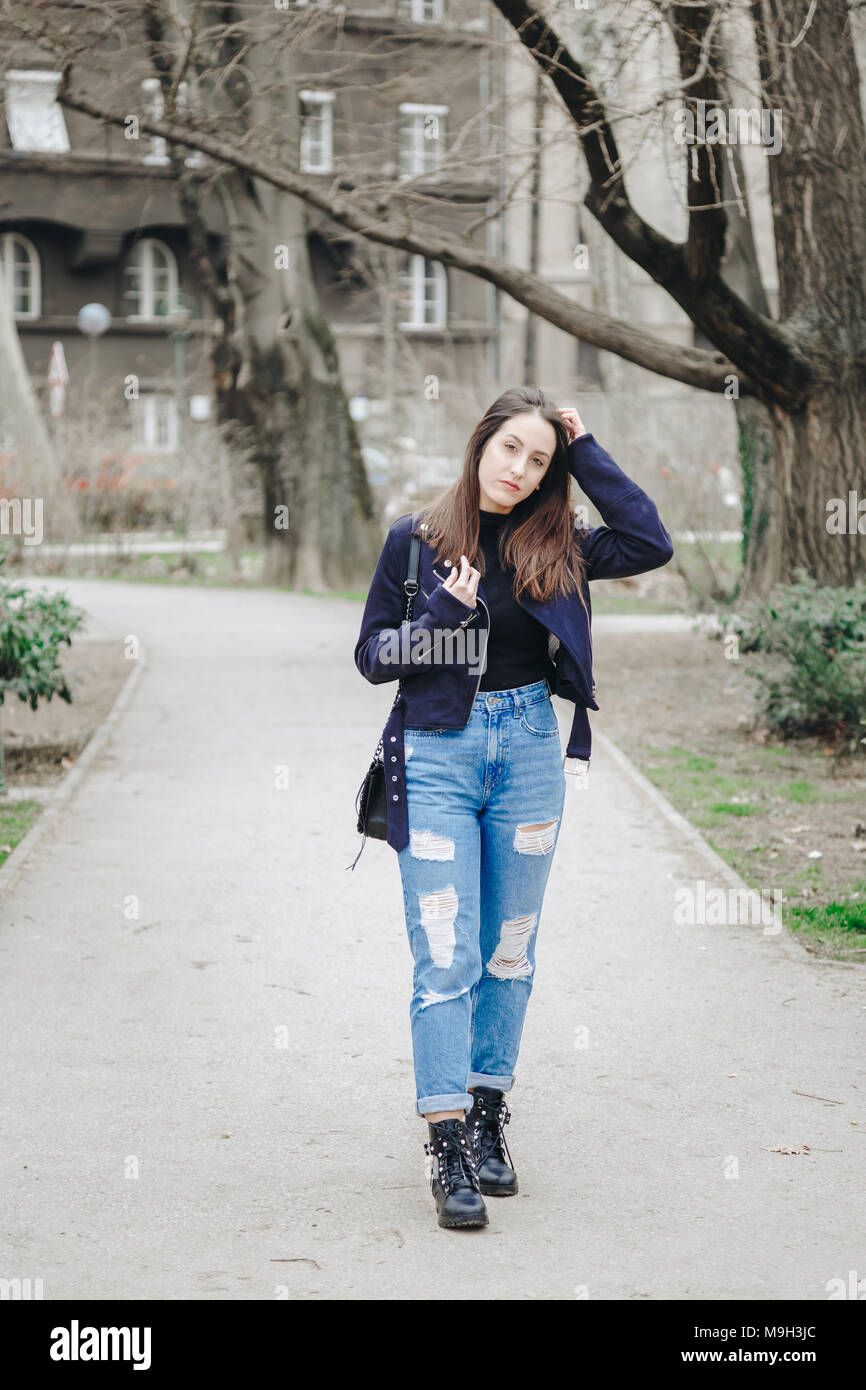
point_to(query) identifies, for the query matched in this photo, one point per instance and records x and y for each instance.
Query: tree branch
(770, 354)
(695, 32)
(187, 190)
(709, 371)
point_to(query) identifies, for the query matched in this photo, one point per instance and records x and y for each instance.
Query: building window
(422, 11)
(154, 103)
(35, 120)
(422, 294)
(588, 364)
(150, 280)
(154, 422)
(317, 132)
(422, 138)
(19, 261)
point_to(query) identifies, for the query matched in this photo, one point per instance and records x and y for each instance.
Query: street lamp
(180, 318)
(93, 321)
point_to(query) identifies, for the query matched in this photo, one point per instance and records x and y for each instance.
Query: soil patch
(787, 817)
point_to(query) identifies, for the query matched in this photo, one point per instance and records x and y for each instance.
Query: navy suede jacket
(631, 541)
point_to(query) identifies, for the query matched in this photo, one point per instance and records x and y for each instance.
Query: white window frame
(416, 280)
(154, 101)
(32, 92)
(421, 155)
(146, 412)
(147, 298)
(7, 244)
(418, 11)
(324, 101)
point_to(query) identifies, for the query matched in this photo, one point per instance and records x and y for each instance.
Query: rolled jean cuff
(456, 1100)
(495, 1083)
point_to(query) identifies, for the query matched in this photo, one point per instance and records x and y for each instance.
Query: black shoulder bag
(370, 802)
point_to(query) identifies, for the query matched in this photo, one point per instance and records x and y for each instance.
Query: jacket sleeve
(381, 644)
(632, 539)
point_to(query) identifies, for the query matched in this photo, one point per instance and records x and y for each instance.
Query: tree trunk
(277, 371)
(285, 385)
(805, 504)
(802, 502)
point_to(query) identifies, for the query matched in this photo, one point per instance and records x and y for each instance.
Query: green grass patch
(846, 916)
(802, 791)
(16, 818)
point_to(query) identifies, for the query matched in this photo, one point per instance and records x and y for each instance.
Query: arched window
(20, 266)
(150, 280)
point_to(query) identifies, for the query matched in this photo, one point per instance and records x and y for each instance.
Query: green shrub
(812, 674)
(32, 627)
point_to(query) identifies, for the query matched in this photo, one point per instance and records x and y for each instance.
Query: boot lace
(456, 1160)
(487, 1130)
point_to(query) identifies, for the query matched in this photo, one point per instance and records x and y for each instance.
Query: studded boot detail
(453, 1180)
(486, 1123)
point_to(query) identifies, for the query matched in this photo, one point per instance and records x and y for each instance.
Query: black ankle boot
(452, 1175)
(486, 1123)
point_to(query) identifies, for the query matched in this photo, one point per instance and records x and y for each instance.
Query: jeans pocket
(540, 719)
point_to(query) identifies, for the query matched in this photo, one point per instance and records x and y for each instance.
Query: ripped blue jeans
(485, 807)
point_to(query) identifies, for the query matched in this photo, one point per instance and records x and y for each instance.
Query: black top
(517, 647)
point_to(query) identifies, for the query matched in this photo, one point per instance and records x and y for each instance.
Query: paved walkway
(208, 1090)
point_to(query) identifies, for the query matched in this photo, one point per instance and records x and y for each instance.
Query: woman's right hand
(463, 582)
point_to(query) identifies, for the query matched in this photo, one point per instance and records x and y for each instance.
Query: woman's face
(514, 461)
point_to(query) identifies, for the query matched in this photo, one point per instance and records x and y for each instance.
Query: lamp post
(93, 321)
(180, 317)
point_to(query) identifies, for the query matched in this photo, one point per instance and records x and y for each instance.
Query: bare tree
(797, 379)
(802, 379)
(276, 368)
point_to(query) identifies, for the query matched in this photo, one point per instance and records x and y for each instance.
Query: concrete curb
(11, 870)
(693, 836)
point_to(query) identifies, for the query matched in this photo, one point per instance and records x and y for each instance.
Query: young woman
(473, 769)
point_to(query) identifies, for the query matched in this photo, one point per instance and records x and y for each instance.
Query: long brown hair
(538, 537)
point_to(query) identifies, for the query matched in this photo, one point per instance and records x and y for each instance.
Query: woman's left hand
(572, 422)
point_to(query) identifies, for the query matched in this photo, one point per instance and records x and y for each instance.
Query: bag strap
(410, 583)
(410, 589)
